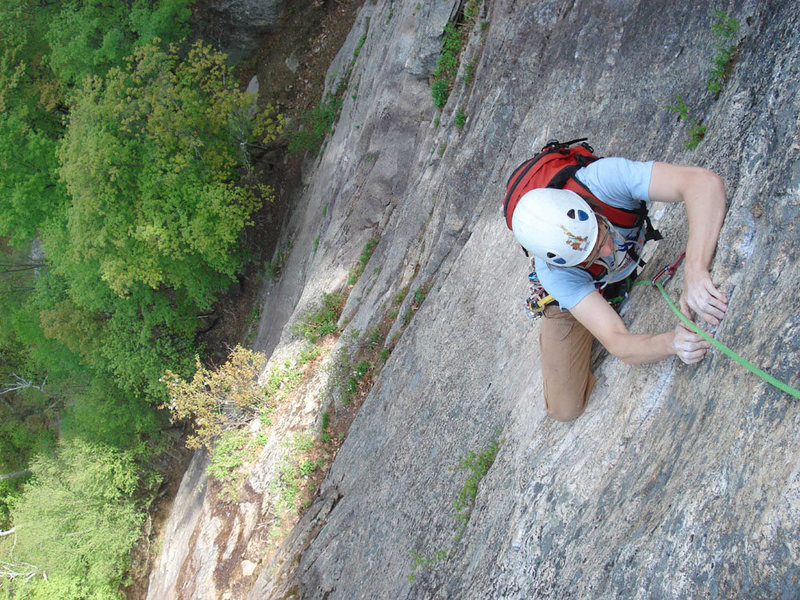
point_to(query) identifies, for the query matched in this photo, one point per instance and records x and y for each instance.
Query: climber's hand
(700, 295)
(688, 345)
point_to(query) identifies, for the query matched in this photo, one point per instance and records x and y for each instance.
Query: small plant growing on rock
(294, 471)
(723, 29)
(366, 254)
(230, 451)
(453, 38)
(477, 466)
(420, 561)
(697, 131)
(321, 319)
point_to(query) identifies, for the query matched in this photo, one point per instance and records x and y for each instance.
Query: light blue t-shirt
(622, 183)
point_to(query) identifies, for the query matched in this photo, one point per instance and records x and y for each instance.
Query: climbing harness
(669, 271)
(538, 299)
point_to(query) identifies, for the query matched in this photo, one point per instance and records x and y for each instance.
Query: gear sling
(555, 167)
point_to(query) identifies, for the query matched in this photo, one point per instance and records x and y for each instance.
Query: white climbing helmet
(555, 225)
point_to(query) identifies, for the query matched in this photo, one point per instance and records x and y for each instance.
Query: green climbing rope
(721, 347)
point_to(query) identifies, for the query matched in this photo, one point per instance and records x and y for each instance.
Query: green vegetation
(724, 29)
(221, 404)
(294, 470)
(400, 296)
(274, 269)
(358, 268)
(325, 422)
(447, 65)
(320, 319)
(460, 119)
(283, 378)
(315, 124)
(143, 207)
(471, 10)
(417, 300)
(122, 209)
(343, 380)
(453, 40)
(420, 561)
(231, 449)
(75, 523)
(358, 374)
(477, 466)
(217, 400)
(469, 71)
(252, 325)
(696, 131)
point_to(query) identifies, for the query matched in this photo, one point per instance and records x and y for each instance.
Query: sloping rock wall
(678, 481)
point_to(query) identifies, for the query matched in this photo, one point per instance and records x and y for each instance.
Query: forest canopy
(123, 199)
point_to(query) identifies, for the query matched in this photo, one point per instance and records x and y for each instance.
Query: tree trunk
(15, 474)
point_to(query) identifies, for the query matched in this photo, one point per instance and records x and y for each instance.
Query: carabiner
(665, 271)
(669, 271)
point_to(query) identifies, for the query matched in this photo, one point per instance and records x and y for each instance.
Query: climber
(566, 236)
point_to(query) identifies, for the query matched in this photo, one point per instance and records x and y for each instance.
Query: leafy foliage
(477, 465)
(77, 521)
(217, 400)
(696, 131)
(320, 319)
(724, 29)
(229, 453)
(358, 268)
(30, 121)
(89, 37)
(150, 161)
(315, 125)
(294, 468)
(121, 151)
(453, 39)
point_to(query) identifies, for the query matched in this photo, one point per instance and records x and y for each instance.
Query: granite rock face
(237, 25)
(678, 481)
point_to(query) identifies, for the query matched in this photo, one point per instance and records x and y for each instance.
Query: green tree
(31, 110)
(217, 400)
(76, 522)
(89, 37)
(150, 160)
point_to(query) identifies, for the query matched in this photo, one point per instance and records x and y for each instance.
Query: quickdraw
(668, 271)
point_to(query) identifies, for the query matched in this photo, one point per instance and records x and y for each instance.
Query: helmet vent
(579, 214)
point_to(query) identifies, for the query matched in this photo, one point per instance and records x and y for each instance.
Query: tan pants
(566, 350)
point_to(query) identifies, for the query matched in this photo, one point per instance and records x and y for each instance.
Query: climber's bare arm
(703, 194)
(594, 313)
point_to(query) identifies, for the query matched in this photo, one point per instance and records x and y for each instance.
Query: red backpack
(555, 167)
